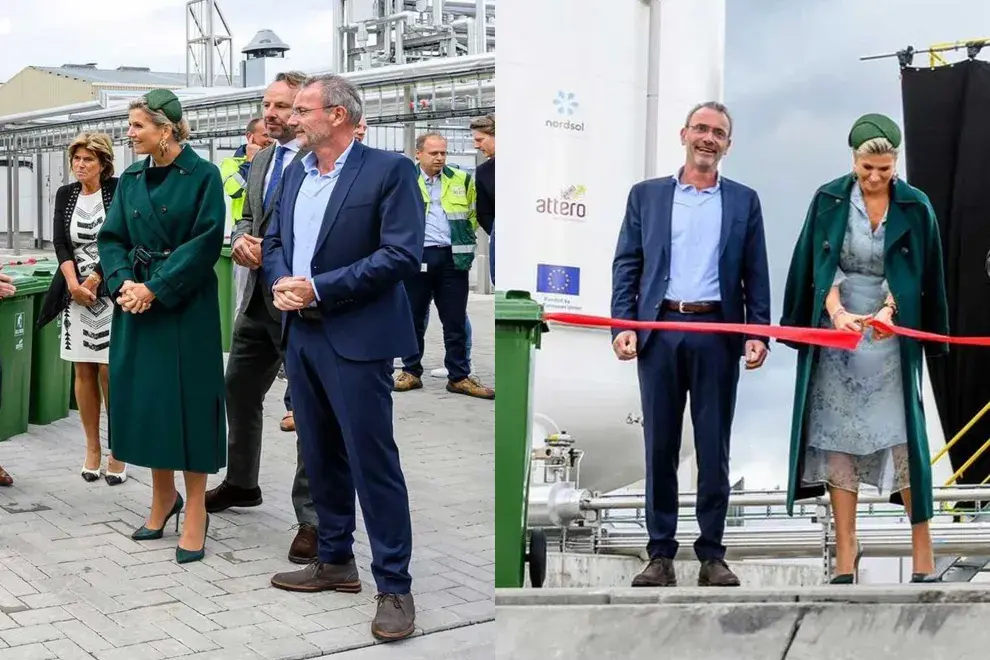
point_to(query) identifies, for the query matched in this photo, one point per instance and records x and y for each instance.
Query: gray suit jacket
(254, 220)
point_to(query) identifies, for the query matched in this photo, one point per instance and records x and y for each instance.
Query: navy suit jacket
(641, 267)
(370, 241)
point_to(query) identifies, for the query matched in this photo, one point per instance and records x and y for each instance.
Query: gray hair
(180, 130)
(484, 124)
(710, 105)
(421, 140)
(291, 78)
(878, 146)
(339, 91)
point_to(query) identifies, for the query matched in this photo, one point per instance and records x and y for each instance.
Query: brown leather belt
(691, 307)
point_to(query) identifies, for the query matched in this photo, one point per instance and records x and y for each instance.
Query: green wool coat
(913, 268)
(166, 365)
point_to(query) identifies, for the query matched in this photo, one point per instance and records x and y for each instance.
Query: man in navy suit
(348, 229)
(691, 249)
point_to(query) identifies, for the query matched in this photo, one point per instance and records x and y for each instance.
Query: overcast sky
(795, 84)
(148, 33)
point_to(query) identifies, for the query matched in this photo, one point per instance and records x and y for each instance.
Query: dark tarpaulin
(947, 145)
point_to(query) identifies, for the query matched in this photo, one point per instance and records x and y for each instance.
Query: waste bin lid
(517, 306)
(25, 284)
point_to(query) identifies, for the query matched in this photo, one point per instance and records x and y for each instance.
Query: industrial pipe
(400, 74)
(948, 539)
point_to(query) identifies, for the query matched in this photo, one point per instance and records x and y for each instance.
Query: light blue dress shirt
(437, 226)
(311, 208)
(695, 228)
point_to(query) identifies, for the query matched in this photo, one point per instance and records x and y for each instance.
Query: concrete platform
(587, 571)
(797, 623)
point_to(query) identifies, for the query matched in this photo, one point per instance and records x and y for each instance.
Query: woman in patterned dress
(80, 211)
(870, 250)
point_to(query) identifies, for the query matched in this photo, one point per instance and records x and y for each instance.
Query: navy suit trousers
(343, 412)
(672, 365)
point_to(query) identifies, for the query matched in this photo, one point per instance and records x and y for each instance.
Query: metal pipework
(779, 498)
(952, 539)
(441, 67)
(556, 506)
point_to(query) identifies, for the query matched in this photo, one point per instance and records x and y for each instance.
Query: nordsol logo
(566, 105)
(569, 205)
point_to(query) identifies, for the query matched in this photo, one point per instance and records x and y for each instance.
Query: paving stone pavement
(74, 585)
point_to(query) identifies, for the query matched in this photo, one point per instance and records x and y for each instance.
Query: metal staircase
(964, 569)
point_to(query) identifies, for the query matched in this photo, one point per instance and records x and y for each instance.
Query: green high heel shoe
(147, 534)
(183, 556)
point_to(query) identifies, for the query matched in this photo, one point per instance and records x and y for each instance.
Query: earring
(163, 146)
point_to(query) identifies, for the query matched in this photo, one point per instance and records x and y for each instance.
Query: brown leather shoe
(658, 573)
(303, 548)
(395, 618)
(716, 573)
(471, 386)
(321, 577)
(5, 479)
(288, 423)
(405, 381)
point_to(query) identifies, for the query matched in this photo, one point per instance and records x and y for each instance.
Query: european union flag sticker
(558, 279)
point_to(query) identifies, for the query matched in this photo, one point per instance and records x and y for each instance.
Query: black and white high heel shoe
(116, 478)
(90, 475)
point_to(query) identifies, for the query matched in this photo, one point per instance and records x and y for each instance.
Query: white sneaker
(439, 373)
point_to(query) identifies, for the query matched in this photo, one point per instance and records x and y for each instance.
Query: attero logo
(569, 205)
(566, 105)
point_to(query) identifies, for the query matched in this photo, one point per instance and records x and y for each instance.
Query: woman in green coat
(869, 249)
(162, 237)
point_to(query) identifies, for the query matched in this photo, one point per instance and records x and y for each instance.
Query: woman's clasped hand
(843, 320)
(135, 298)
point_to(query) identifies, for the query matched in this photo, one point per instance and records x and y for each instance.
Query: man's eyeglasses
(705, 129)
(302, 112)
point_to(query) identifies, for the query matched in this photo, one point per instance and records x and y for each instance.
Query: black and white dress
(86, 330)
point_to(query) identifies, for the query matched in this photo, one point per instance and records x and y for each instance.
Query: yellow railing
(972, 459)
(935, 51)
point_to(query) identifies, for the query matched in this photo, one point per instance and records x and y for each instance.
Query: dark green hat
(873, 126)
(165, 101)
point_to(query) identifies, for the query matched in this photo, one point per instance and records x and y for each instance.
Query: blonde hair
(878, 146)
(101, 146)
(180, 129)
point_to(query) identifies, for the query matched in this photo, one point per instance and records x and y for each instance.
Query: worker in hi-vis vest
(234, 174)
(448, 253)
(234, 169)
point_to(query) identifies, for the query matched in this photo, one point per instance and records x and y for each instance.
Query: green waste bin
(16, 344)
(518, 328)
(51, 376)
(225, 286)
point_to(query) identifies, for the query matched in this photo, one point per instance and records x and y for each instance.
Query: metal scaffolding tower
(209, 45)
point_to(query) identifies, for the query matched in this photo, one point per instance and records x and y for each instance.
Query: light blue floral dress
(857, 430)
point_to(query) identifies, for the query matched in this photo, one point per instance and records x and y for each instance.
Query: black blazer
(484, 177)
(57, 298)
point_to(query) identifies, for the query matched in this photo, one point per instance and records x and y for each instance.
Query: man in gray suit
(255, 351)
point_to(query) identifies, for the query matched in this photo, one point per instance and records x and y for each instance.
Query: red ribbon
(829, 338)
(930, 336)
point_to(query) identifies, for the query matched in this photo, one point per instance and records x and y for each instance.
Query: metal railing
(972, 459)
(577, 520)
(427, 91)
